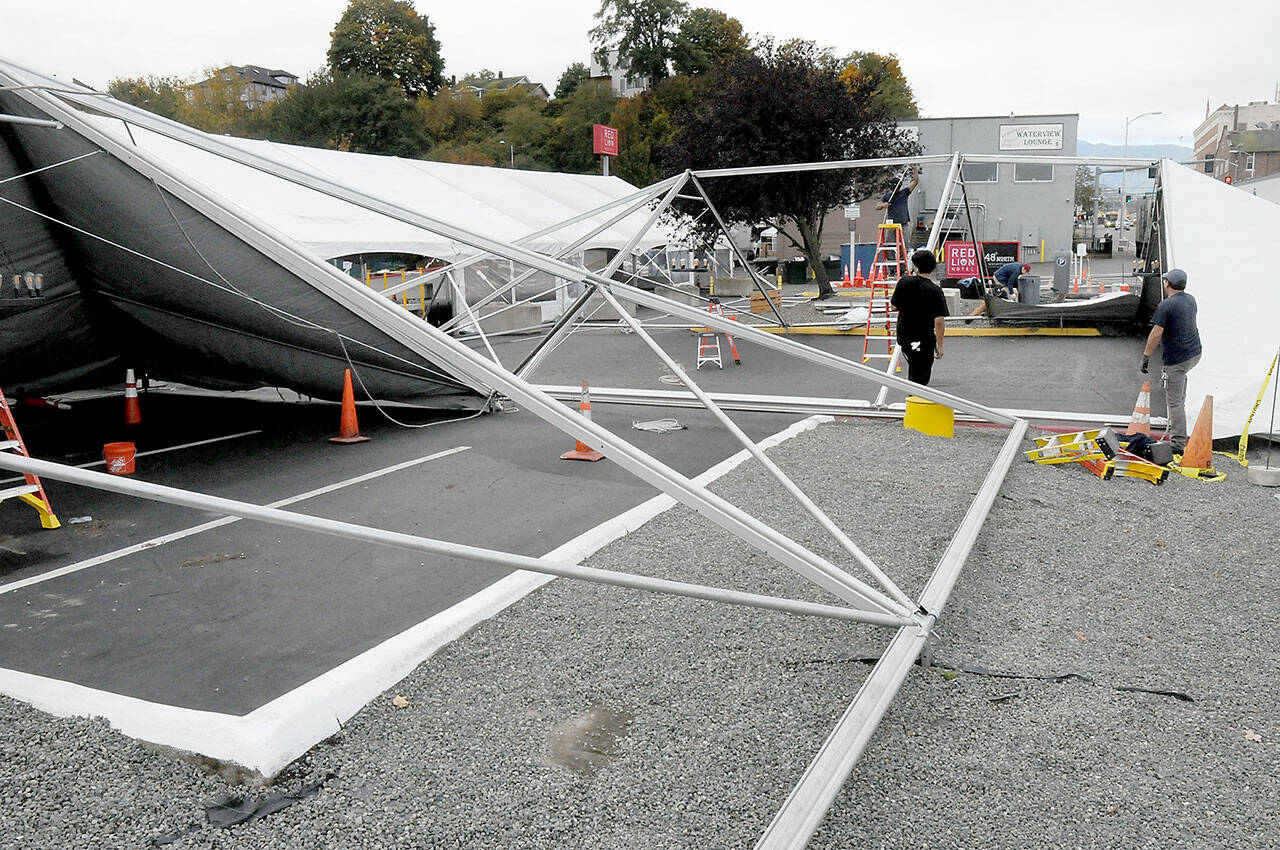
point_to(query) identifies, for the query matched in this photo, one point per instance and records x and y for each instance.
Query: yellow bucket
(929, 418)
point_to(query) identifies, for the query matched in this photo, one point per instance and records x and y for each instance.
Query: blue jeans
(1175, 393)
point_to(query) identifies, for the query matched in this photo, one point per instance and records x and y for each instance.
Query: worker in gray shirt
(1174, 327)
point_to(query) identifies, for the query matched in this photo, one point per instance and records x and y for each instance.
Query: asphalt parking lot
(227, 618)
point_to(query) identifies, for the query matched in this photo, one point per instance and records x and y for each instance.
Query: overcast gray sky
(1106, 61)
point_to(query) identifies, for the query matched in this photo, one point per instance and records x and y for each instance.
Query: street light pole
(1124, 172)
(511, 148)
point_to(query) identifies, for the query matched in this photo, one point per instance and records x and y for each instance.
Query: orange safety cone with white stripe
(858, 279)
(1141, 421)
(348, 427)
(132, 410)
(846, 282)
(582, 451)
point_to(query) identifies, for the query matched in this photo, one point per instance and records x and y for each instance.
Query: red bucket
(119, 457)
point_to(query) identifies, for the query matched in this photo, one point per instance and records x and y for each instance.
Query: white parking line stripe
(271, 736)
(217, 523)
(158, 451)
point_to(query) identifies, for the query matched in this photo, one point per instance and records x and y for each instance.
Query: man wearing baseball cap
(1174, 326)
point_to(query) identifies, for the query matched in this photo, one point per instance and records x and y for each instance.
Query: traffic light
(1128, 199)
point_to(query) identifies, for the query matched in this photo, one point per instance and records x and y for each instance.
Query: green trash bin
(795, 271)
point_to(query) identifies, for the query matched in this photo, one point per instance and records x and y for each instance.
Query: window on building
(1027, 172)
(1208, 163)
(1248, 166)
(980, 172)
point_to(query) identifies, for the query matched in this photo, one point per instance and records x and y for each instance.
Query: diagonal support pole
(724, 228)
(796, 493)
(414, 543)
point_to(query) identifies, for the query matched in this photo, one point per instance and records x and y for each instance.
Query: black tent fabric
(134, 276)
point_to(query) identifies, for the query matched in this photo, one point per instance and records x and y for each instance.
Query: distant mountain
(1136, 181)
(1178, 153)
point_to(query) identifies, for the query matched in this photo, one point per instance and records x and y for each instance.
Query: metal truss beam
(431, 546)
(809, 801)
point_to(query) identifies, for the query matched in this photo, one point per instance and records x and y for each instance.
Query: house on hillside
(254, 84)
(616, 72)
(484, 84)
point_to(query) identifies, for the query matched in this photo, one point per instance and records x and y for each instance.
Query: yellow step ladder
(32, 491)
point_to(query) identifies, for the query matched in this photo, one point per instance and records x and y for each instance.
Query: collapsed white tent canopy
(501, 203)
(1217, 234)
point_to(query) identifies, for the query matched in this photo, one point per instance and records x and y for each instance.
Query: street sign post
(605, 143)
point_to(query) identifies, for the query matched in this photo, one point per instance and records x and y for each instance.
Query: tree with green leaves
(350, 112)
(642, 31)
(779, 105)
(707, 39)
(388, 39)
(876, 79)
(566, 144)
(573, 76)
(1086, 188)
(165, 96)
(646, 125)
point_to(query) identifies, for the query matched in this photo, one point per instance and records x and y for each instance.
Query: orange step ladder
(882, 323)
(890, 262)
(31, 492)
(889, 265)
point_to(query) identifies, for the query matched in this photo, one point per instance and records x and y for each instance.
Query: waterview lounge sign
(1030, 137)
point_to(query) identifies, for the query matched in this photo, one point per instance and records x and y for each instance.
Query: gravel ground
(589, 717)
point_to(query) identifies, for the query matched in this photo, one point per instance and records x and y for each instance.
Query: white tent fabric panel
(500, 203)
(1216, 232)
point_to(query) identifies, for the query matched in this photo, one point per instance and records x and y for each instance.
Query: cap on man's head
(1176, 278)
(1026, 267)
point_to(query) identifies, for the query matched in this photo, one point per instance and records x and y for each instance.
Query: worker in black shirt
(922, 311)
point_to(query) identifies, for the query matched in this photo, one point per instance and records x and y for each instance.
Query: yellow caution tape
(1244, 437)
(1207, 473)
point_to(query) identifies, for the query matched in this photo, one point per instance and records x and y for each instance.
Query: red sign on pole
(962, 259)
(605, 139)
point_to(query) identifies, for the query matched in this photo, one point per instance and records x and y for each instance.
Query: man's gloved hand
(1146, 363)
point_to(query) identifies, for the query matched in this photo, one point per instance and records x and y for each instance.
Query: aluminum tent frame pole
(475, 320)
(549, 342)
(561, 254)
(944, 200)
(809, 801)
(1034, 159)
(414, 543)
(636, 200)
(772, 468)
(804, 352)
(724, 228)
(834, 165)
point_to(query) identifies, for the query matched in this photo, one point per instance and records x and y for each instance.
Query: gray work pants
(1175, 393)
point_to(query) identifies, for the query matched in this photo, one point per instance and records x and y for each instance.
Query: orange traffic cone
(858, 279)
(1199, 453)
(348, 428)
(582, 451)
(846, 281)
(132, 410)
(1141, 421)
